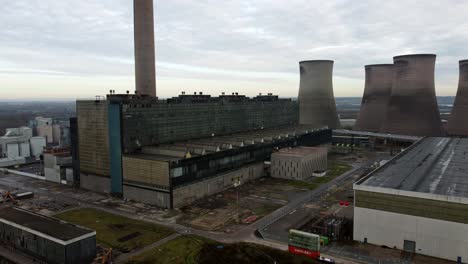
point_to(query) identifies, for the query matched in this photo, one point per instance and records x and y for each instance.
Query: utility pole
(237, 183)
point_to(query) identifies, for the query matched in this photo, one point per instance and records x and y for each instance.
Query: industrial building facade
(151, 150)
(417, 202)
(46, 239)
(299, 163)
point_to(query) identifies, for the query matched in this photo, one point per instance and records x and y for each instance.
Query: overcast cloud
(70, 49)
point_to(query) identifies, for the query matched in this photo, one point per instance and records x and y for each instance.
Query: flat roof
(48, 227)
(301, 151)
(433, 165)
(204, 146)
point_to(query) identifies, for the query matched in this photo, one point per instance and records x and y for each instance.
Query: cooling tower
(413, 109)
(145, 79)
(458, 120)
(316, 100)
(377, 90)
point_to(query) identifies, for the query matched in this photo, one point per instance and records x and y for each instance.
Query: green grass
(110, 228)
(183, 249)
(334, 170)
(194, 250)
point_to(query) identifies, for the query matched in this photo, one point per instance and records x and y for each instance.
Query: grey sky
(70, 49)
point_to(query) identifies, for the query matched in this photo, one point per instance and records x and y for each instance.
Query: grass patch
(197, 250)
(334, 170)
(183, 249)
(117, 232)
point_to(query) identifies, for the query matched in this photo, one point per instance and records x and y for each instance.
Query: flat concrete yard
(118, 232)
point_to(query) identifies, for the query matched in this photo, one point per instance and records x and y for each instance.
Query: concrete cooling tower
(458, 120)
(316, 100)
(413, 109)
(145, 69)
(377, 91)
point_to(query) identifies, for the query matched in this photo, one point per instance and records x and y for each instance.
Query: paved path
(124, 257)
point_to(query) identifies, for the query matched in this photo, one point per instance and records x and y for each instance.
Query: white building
(418, 201)
(14, 137)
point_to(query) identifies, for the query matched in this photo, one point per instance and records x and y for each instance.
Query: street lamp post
(237, 183)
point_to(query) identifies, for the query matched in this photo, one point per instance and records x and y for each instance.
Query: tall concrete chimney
(413, 108)
(377, 91)
(317, 105)
(145, 79)
(458, 120)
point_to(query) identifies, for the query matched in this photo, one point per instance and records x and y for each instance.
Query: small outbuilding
(299, 163)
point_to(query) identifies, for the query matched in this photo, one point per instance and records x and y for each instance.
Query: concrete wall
(148, 196)
(188, 194)
(433, 237)
(37, 146)
(148, 172)
(95, 183)
(93, 137)
(52, 174)
(285, 165)
(45, 131)
(12, 150)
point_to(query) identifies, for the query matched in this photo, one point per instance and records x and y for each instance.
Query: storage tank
(317, 105)
(145, 69)
(413, 109)
(377, 91)
(458, 120)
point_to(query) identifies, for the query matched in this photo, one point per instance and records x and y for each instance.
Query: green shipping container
(324, 241)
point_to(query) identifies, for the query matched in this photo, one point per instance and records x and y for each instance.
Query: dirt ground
(224, 212)
(228, 210)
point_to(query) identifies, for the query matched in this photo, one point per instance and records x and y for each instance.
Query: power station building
(317, 105)
(377, 91)
(172, 152)
(458, 120)
(412, 108)
(418, 201)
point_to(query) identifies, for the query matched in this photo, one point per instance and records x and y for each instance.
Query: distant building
(37, 146)
(55, 131)
(15, 146)
(56, 162)
(43, 128)
(14, 137)
(46, 239)
(299, 163)
(418, 201)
